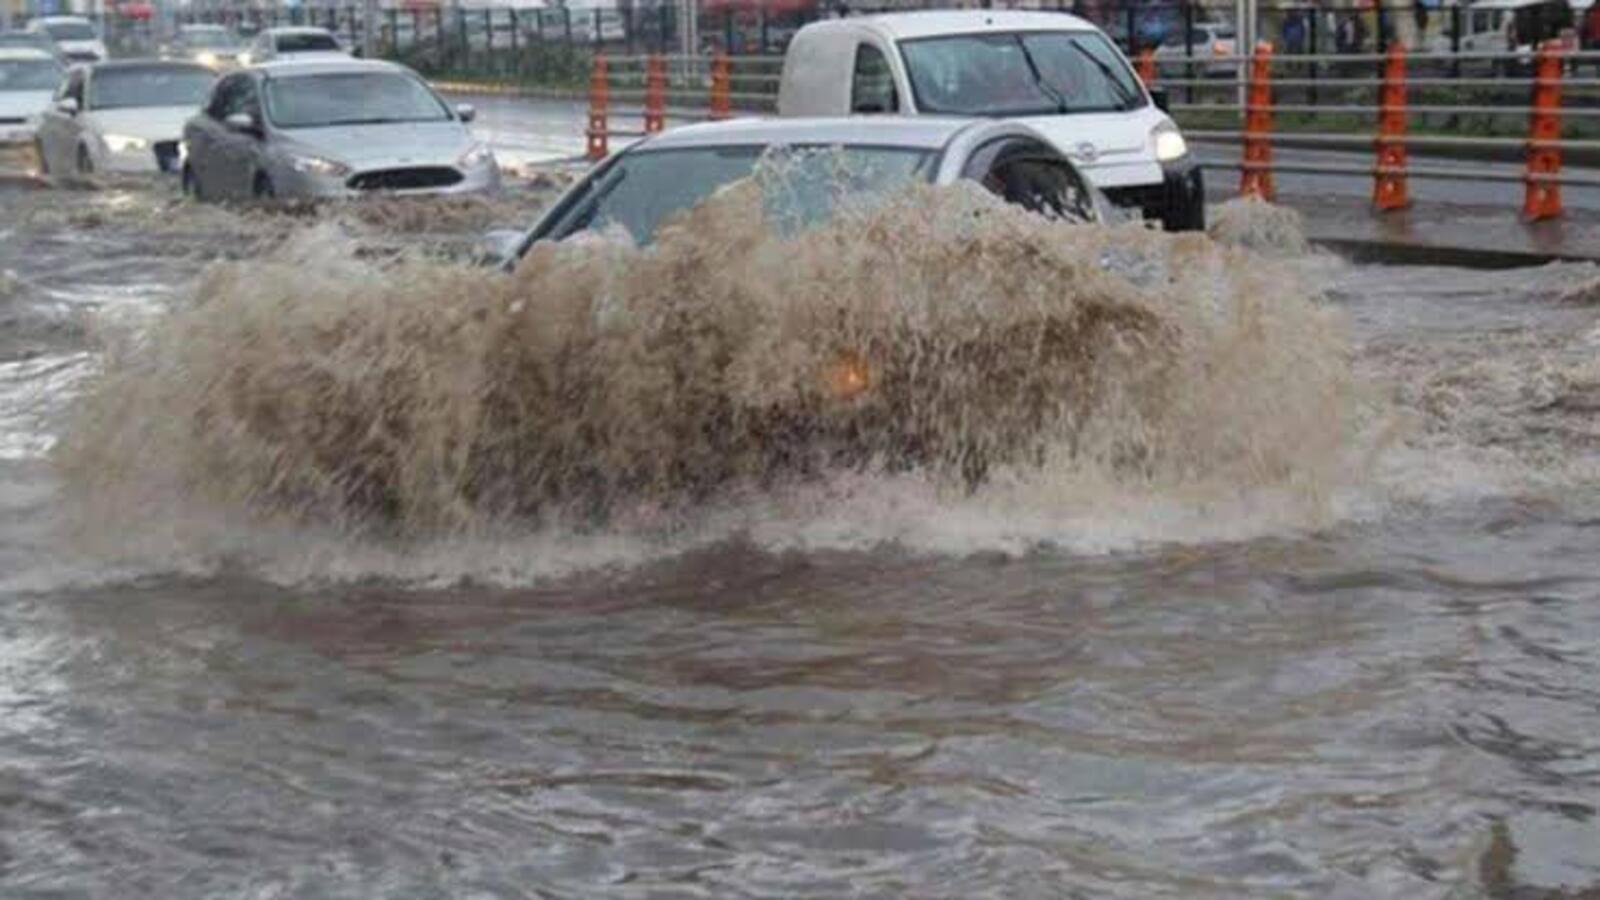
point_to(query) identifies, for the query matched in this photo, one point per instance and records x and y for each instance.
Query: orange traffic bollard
(1542, 194)
(599, 100)
(655, 93)
(721, 76)
(1255, 179)
(1147, 67)
(1389, 188)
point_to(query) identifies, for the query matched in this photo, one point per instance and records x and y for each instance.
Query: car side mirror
(243, 123)
(67, 106)
(466, 112)
(1161, 98)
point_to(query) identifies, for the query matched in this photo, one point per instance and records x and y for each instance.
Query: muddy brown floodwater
(1365, 670)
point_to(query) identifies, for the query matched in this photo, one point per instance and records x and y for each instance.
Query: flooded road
(883, 692)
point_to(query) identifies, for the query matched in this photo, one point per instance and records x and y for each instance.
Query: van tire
(262, 188)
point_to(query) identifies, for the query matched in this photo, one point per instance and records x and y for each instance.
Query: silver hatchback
(327, 129)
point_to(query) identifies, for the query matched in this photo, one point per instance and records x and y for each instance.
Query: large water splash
(941, 340)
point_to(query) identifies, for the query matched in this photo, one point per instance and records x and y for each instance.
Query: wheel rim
(263, 188)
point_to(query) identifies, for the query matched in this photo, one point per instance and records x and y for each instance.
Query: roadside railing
(1256, 98)
(634, 96)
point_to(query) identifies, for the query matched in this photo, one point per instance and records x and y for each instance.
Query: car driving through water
(639, 188)
(122, 116)
(333, 128)
(28, 77)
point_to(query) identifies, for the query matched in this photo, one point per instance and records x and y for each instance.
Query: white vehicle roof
(1507, 4)
(297, 29)
(201, 28)
(925, 132)
(327, 65)
(60, 20)
(25, 53)
(910, 25)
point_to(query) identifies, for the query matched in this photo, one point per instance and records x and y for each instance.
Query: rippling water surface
(1402, 700)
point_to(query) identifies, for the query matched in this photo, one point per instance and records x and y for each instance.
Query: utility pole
(369, 29)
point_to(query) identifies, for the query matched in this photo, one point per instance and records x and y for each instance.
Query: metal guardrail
(1255, 81)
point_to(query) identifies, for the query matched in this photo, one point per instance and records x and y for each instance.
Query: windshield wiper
(1129, 101)
(1038, 78)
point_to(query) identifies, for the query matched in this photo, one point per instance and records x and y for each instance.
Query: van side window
(872, 88)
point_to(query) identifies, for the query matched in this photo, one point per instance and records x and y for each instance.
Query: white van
(1056, 72)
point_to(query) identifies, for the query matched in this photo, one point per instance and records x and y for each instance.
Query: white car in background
(122, 116)
(28, 79)
(1207, 48)
(74, 35)
(286, 44)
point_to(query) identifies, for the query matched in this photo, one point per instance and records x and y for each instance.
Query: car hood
(312, 55)
(22, 104)
(88, 46)
(1109, 134)
(385, 146)
(152, 123)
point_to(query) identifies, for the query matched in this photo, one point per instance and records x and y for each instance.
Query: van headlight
(476, 155)
(318, 165)
(1169, 142)
(206, 58)
(121, 143)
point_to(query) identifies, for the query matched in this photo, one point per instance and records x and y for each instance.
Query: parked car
(639, 188)
(208, 45)
(1206, 48)
(30, 40)
(285, 44)
(333, 128)
(1055, 72)
(28, 78)
(75, 36)
(123, 116)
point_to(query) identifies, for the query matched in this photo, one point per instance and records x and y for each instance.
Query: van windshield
(1020, 74)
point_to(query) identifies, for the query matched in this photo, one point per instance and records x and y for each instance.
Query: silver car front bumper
(388, 181)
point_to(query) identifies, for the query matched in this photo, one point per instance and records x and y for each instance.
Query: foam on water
(942, 371)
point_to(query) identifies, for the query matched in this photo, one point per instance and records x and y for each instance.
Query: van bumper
(1179, 200)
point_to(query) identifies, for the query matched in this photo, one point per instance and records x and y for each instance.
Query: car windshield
(208, 39)
(29, 74)
(151, 85)
(306, 43)
(70, 31)
(351, 98)
(1019, 73)
(641, 190)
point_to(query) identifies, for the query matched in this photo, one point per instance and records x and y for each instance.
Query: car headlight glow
(206, 58)
(1169, 142)
(119, 143)
(317, 165)
(476, 155)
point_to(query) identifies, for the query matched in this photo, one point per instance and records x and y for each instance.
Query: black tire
(262, 188)
(190, 184)
(85, 162)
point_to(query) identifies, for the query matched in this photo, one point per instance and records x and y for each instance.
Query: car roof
(116, 64)
(923, 132)
(17, 53)
(910, 25)
(201, 26)
(328, 65)
(297, 29)
(61, 20)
